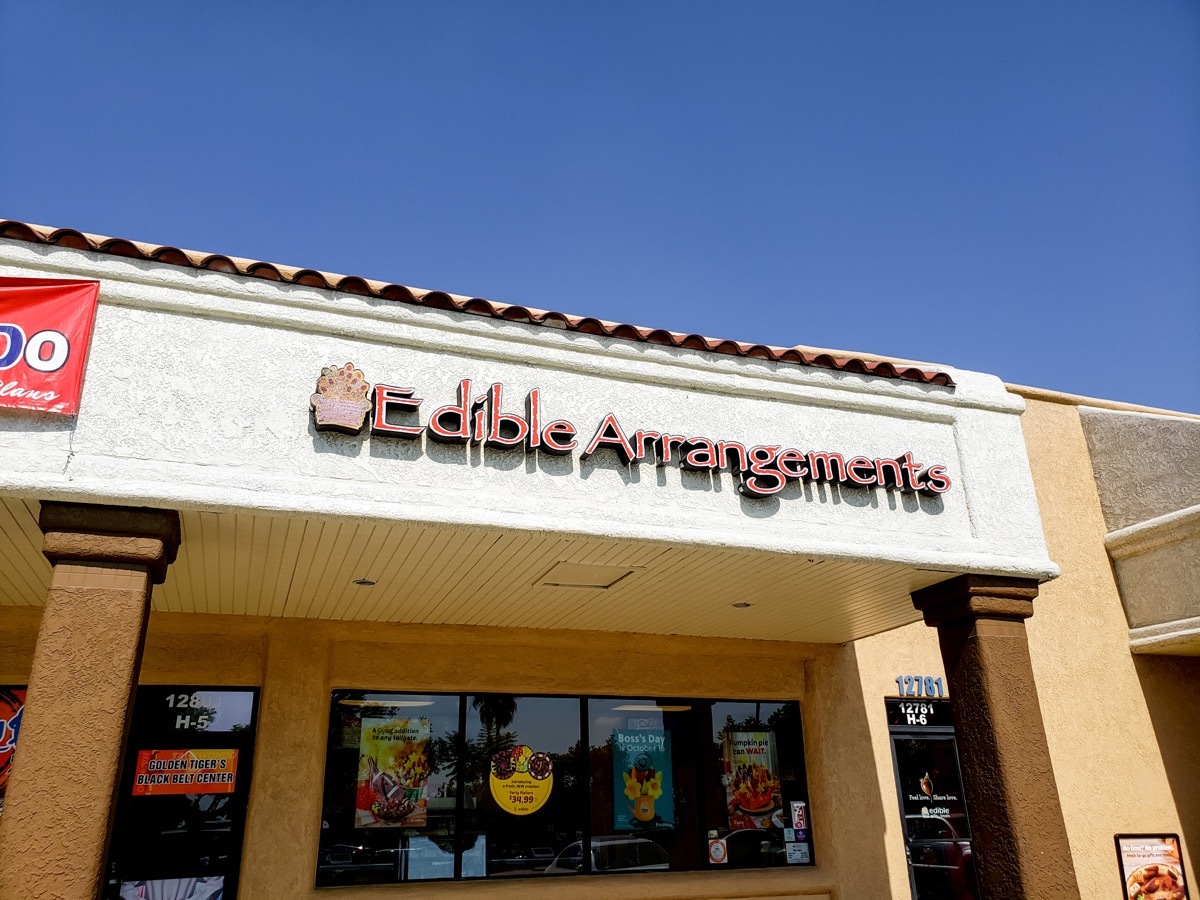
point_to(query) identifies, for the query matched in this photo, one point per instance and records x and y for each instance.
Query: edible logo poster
(12, 704)
(393, 771)
(751, 779)
(644, 798)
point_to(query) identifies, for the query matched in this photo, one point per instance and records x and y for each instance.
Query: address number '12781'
(920, 686)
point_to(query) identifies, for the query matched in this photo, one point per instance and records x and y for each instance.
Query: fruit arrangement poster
(393, 772)
(644, 798)
(751, 779)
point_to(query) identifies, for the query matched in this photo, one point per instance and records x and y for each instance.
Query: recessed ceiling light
(741, 604)
(364, 582)
(585, 575)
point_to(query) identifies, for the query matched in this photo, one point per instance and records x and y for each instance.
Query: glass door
(937, 832)
(181, 810)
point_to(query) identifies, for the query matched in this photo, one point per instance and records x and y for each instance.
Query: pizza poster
(1151, 867)
(644, 796)
(393, 773)
(161, 772)
(12, 705)
(751, 780)
(45, 330)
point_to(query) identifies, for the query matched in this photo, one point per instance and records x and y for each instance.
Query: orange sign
(185, 772)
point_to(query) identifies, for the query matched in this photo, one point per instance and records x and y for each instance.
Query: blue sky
(1009, 187)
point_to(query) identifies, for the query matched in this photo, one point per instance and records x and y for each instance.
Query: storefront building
(335, 588)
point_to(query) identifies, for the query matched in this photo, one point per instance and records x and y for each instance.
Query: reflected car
(520, 860)
(754, 847)
(941, 859)
(611, 853)
(348, 863)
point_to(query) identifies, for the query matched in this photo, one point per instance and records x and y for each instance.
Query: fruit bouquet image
(340, 403)
(393, 773)
(755, 789)
(1156, 882)
(643, 786)
(521, 760)
(752, 790)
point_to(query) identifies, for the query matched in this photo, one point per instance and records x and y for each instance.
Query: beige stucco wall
(298, 662)
(1122, 764)
(1124, 732)
(873, 665)
(307, 659)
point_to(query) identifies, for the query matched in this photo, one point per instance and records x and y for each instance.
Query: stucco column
(1018, 835)
(279, 856)
(58, 811)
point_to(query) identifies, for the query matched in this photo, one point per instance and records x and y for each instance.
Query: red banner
(45, 329)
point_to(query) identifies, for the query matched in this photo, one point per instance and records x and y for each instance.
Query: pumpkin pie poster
(644, 798)
(393, 772)
(751, 779)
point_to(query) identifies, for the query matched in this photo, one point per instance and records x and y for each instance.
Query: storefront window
(643, 785)
(498, 785)
(761, 814)
(524, 799)
(391, 789)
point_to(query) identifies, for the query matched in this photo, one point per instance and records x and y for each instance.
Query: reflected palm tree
(496, 711)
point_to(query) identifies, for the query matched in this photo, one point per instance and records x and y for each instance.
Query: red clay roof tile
(353, 284)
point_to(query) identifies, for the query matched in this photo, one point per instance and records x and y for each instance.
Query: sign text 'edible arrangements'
(341, 404)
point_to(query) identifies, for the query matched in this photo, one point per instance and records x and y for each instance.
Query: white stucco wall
(197, 388)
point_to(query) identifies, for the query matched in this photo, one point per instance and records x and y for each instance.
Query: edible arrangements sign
(45, 329)
(344, 402)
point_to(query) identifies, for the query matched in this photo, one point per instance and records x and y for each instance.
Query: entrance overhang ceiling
(264, 565)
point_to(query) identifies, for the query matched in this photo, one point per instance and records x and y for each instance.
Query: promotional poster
(930, 785)
(644, 798)
(1151, 866)
(751, 780)
(393, 772)
(521, 780)
(12, 704)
